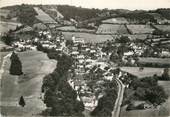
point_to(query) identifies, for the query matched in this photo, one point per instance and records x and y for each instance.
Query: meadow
(6, 26)
(146, 72)
(35, 66)
(140, 29)
(89, 37)
(42, 16)
(163, 27)
(119, 20)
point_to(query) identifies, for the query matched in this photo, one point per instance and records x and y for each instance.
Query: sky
(110, 4)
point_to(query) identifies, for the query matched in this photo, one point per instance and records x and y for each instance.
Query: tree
(165, 75)
(22, 101)
(16, 65)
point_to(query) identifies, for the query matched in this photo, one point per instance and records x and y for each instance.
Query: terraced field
(42, 16)
(112, 29)
(140, 29)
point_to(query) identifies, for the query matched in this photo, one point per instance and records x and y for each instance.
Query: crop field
(44, 17)
(89, 37)
(119, 20)
(140, 29)
(163, 27)
(112, 29)
(35, 66)
(6, 26)
(146, 72)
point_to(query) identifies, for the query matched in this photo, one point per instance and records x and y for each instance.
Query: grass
(44, 17)
(35, 66)
(6, 26)
(88, 37)
(154, 60)
(163, 27)
(146, 72)
(119, 20)
(140, 29)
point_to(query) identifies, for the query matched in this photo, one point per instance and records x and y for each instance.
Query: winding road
(118, 103)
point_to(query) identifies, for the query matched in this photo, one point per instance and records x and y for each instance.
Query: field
(42, 16)
(140, 29)
(74, 29)
(35, 66)
(6, 26)
(88, 37)
(163, 27)
(146, 72)
(161, 61)
(4, 13)
(119, 20)
(112, 29)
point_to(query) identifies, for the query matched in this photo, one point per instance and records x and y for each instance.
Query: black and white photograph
(84, 58)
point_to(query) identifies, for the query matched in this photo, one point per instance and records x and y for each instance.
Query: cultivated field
(119, 20)
(42, 16)
(4, 13)
(146, 72)
(35, 66)
(112, 29)
(163, 27)
(88, 37)
(140, 29)
(6, 26)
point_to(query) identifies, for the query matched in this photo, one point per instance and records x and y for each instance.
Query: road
(118, 103)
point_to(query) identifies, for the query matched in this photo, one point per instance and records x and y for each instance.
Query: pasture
(44, 17)
(112, 29)
(140, 29)
(146, 72)
(35, 66)
(165, 28)
(119, 20)
(161, 61)
(89, 37)
(6, 26)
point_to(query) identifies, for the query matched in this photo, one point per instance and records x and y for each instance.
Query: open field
(119, 20)
(74, 29)
(88, 37)
(159, 61)
(163, 27)
(4, 13)
(35, 66)
(146, 72)
(42, 16)
(112, 29)
(140, 29)
(6, 26)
